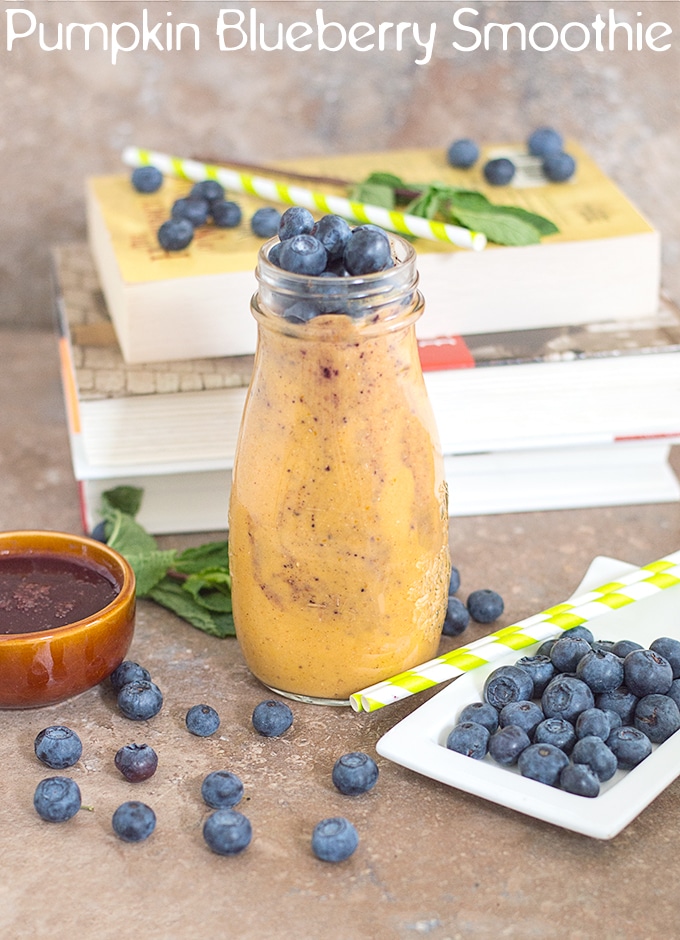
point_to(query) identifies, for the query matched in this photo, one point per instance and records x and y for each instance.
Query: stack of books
(542, 410)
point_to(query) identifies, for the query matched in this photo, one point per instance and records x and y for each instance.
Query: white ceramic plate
(419, 741)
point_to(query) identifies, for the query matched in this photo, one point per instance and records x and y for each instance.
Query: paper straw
(636, 585)
(278, 191)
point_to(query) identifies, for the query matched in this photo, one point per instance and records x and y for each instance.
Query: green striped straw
(277, 191)
(638, 584)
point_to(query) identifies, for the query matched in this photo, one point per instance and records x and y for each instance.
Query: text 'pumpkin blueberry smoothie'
(338, 522)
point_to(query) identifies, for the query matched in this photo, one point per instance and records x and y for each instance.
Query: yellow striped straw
(634, 586)
(277, 191)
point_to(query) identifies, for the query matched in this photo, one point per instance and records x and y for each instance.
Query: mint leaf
(126, 535)
(541, 224)
(374, 194)
(150, 568)
(126, 498)
(499, 225)
(210, 589)
(209, 555)
(171, 595)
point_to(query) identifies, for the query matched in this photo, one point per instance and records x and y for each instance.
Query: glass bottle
(338, 517)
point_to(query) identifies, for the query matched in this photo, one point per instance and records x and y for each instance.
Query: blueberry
(546, 646)
(566, 697)
(302, 254)
(227, 832)
(615, 720)
(271, 718)
(526, 715)
(175, 234)
(57, 799)
(454, 580)
(506, 744)
(658, 716)
(482, 713)
(568, 651)
(334, 839)
(621, 700)
(146, 179)
(556, 731)
(127, 672)
(273, 254)
(469, 738)
(58, 747)
(605, 646)
(295, 221)
(485, 606)
(600, 670)
(499, 172)
(542, 762)
(140, 700)
(136, 762)
(133, 821)
(669, 648)
(594, 753)
(457, 617)
(367, 251)
(593, 722)
(507, 684)
(301, 311)
(541, 670)
(630, 746)
(645, 672)
(623, 647)
(225, 213)
(355, 773)
(202, 720)
(192, 209)
(222, 789)
(674, 691)
(333, 233)
(265, 222)
(544, 140)
(210, 190)
(581, 631)
(579, 779)
(559, 167)
(99, 532)
(463, 153)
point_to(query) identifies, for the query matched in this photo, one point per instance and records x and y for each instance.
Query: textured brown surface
(66, 115)
(432, 861)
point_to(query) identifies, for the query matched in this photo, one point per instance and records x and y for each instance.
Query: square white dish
(418, 742)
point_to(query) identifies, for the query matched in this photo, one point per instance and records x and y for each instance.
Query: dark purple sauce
(41, 592)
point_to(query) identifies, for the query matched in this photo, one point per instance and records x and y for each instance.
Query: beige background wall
(65, 115)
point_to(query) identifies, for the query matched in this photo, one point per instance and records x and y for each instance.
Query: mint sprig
(195, 584)
(504, 225)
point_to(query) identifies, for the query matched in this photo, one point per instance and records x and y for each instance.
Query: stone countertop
(432, 861)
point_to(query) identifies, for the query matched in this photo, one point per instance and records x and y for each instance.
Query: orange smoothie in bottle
(338, 523)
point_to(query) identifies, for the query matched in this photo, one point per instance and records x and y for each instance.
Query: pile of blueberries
(226, 831)
(577, 711)
(545, 143)
(482, 606)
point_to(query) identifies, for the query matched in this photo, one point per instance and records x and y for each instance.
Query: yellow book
(605, 259)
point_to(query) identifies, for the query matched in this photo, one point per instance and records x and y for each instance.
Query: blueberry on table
(271, 718)
(566, 697)
(454, 580)
(133, 821)
(457, 617)
(202, 720)
(630, 746)
(542, 762)
(367, 251)
(221, 789)
(506, 744)
(57, 799)
(333, 232)
(58, 747)
(175, 234)
(499, 172)
(482, 713)
(225, 213)
(462, 153)
(580, 780)
(658, 716)
(595, 753)
(265, 222)
(146, 179)
(295, 221)
(559, 167)
(136, 762)
(469, 738)
(334, 839)
(210, 190)
(355, 773)
(485, 606)
(302, 254)
(646, 672)
(558, 732)
(128, 671)
(507, 684)
(227, 832)
(140, 700)
(544, 140)
(192, 209)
